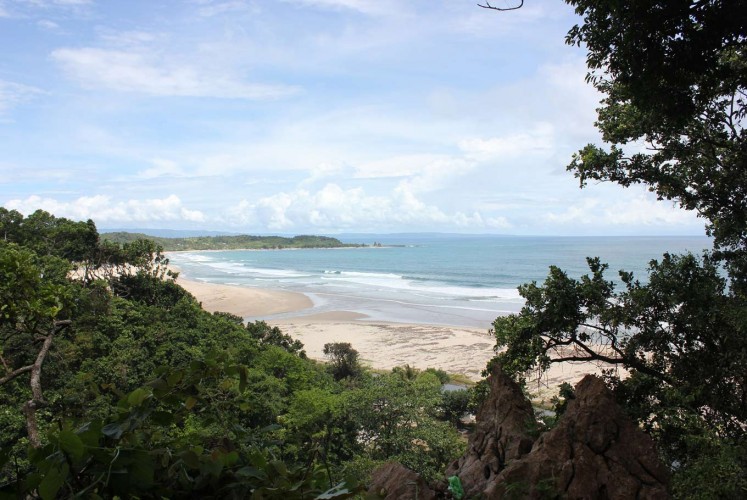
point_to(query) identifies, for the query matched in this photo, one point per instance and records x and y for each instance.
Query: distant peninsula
(238, 242)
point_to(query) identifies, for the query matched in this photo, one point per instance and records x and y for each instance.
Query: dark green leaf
(71, 444)
(53, 481)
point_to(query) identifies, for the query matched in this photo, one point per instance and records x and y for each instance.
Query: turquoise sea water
(449, 280)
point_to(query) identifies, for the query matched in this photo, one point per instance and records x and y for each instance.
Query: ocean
(464, 281)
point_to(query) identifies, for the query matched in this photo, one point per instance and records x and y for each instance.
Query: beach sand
(244, 301)
(381, 345)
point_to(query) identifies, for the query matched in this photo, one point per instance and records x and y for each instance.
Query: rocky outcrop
(393, 481)
(501, 435)
(594, 452)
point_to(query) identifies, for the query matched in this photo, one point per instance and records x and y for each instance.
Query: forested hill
(239, 242)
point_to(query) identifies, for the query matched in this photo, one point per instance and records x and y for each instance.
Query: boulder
(594, 452)
(502, 435)
(393, 481)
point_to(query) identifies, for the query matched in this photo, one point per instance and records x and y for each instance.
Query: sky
(306, 116)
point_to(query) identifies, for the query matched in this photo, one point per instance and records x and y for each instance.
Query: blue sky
(296, 116)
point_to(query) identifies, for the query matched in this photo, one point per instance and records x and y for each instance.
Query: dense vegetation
(674, 77)
(114, 382)
(240, 242)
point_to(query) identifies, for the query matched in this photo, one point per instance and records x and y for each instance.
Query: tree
(272, 335)
(343, 360)
(397, 419)
(33, 301)
(674, 77)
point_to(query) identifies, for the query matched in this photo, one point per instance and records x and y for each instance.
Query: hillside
(239, 242)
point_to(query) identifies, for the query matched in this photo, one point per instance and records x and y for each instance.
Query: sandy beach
(381, 345)
(244, 301)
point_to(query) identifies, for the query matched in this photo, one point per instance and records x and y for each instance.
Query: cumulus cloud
(333, 208)
(148, 73)
(102, 208)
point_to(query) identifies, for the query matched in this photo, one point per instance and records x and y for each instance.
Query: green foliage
(397, 419)
(407, 372)
(343, 360)
(560, 402)
(33, 289)
(674, 76)
(46, 235)
(148, 395)
(142, 452)
(440, 374)
(241, 242)
(716, 470)
(680, 335)
(267, 335)
(453, 406)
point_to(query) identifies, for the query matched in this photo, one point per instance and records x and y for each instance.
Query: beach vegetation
(115, 382)
(399, 421)
(454, 406)
(675, 341)
(230, 242)
(272, 335)
(343, 362)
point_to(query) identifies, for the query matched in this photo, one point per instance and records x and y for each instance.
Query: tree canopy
(674, 79)
(115, 382)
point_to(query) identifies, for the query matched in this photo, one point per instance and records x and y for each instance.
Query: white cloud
(48, 25)
(130, 38)
(333, 208)
(161, 168)
(369, 7)
(399, 166)
(101, 208)
(210, 9)
(28, 7)
(147, 73)
(540, 139)
(641, 210)
(12, 94)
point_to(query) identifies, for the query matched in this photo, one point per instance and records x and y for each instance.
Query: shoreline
(351, 247)
(244, 301)
(380, 344)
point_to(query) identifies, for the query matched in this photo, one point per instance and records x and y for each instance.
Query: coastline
(244, 301)
(381, 344)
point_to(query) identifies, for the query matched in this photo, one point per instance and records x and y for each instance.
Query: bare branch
(37, 398)
(5, 365)
(20, 371)
(502, 9)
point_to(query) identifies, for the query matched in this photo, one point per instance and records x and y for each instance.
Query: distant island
(239, 242)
